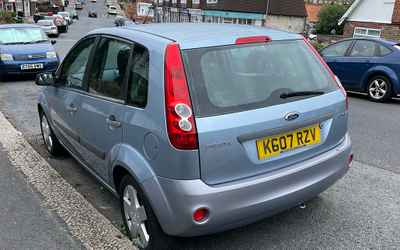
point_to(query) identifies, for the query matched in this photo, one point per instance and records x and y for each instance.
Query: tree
(329, 17)
(7, 17)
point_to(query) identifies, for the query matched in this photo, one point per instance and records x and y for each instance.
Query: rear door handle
(71, 108)
(112, 121)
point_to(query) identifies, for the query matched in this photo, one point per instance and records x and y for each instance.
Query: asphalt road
(361, 211)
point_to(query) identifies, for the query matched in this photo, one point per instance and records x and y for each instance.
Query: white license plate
(32, 66)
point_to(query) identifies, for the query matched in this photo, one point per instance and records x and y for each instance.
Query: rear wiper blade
(37, 41)
(300, 93)
(12, 43)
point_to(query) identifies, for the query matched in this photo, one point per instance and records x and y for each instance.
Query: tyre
(139, 219)
(50, 140)
(379, 89)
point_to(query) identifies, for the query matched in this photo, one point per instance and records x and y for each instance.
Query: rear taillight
(335, 78)
(179, 113)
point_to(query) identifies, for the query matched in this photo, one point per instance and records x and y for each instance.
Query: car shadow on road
(83, 182)
(17, 78)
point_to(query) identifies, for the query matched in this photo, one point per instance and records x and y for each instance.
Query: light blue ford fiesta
(198, 128)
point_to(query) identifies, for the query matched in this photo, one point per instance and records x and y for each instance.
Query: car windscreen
(21, 35)
(237, 78)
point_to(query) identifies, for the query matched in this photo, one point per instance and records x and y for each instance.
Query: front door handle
(71, 108)
(112, 121)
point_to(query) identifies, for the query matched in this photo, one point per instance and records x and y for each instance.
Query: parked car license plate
(274, 145)
(32, 66)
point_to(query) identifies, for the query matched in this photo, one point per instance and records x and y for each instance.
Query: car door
(65, 101)
(102, 108)
(362, 57)
(336, 57)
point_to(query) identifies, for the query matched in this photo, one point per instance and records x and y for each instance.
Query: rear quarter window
(236, 78)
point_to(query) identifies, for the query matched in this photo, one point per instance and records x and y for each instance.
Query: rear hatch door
(261, 107)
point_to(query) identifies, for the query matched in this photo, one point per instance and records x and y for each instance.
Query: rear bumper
(52, 32)
(236, 204)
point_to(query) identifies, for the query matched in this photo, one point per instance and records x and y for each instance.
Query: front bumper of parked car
(15, 67)
(243, 202)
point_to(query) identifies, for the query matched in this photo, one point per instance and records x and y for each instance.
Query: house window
(365, 32)
(212, 1)
(195, 1)
(145, 9)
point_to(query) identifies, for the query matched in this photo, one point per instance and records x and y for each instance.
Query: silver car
(198, 128)
(48, 27)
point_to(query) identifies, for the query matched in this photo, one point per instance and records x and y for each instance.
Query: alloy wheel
(378, 89)
(46, 131)
(135, 216)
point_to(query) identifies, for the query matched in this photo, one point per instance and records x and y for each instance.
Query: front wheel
(50, 140)
(139, 219)
(379, 89)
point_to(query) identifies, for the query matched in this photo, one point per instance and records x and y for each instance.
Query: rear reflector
(200, 215)
(335, 78)
(253, 39)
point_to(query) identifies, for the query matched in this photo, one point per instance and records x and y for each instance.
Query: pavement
(52, 198)
(24, 222)
(361, 211)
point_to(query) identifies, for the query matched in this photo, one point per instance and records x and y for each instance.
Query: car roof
(197, 35)
(18, 25)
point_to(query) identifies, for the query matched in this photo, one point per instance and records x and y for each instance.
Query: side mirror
(53, 42)
(45, 79)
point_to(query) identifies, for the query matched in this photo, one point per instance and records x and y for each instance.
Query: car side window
(139, 77)
(74, 66)
(364, 48)
(338, 49)
(109, 68)
(383, 51)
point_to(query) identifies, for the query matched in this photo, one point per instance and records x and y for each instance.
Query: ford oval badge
(292, 116)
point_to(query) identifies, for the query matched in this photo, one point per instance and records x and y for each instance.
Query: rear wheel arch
(391, 76)
(131, 163)
(119, 172)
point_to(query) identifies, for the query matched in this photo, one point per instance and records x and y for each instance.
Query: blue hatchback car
(366, 65)
(198, 128)
(25, 49)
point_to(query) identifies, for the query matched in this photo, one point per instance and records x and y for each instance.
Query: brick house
(372, 18)
(284, 14)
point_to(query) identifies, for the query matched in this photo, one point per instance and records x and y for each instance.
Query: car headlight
(6, 57)
(51, 54)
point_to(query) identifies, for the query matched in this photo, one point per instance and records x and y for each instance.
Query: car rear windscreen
(236, 78)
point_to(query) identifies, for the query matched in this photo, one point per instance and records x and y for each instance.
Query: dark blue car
(366, 65)
(25, 49)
